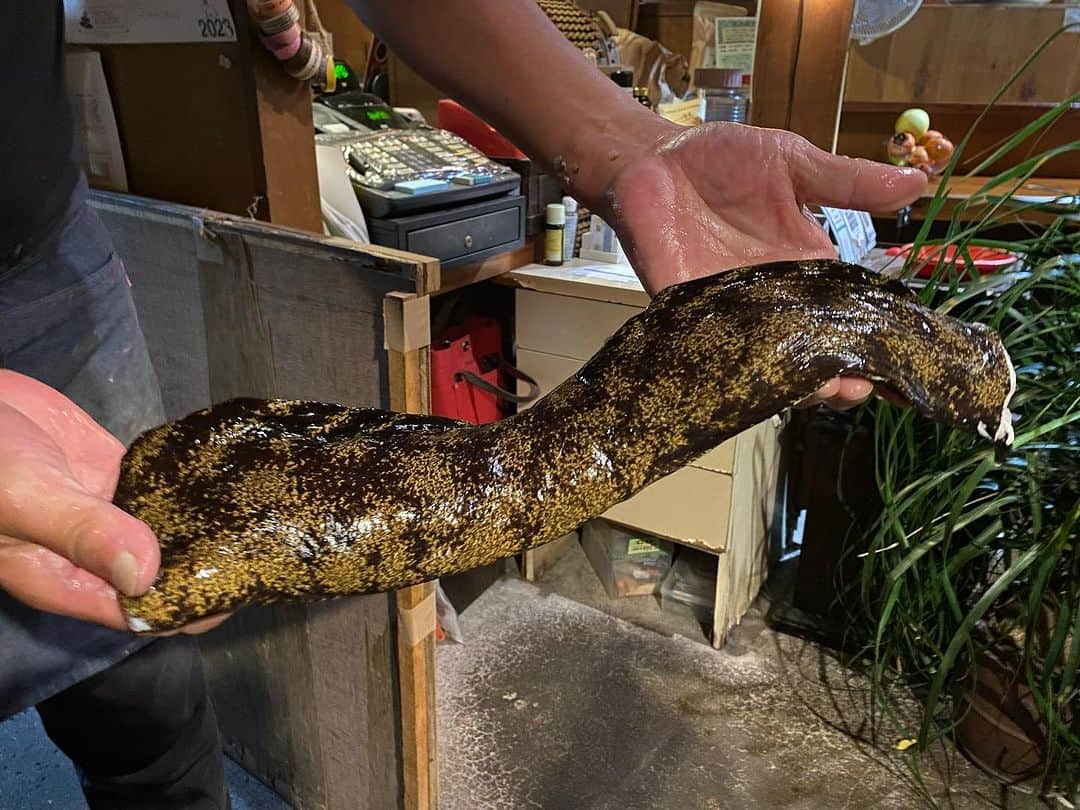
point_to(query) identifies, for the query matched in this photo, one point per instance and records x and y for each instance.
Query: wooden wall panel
(774, 62)
(964, 54)
(800, 67)
(820, 70)
(216, 125)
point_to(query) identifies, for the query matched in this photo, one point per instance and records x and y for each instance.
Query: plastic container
(986, 260)
(554, 234)
(722, 95)
(570, 229)
(691, 582)
(627, 563)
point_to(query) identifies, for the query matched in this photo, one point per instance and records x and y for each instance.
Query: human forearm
(506, 62)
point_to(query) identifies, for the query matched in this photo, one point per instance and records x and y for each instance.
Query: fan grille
(873, 19)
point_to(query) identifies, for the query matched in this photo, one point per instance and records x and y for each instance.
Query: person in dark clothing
(76, 381)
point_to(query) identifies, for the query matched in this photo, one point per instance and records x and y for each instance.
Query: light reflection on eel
(255, 501)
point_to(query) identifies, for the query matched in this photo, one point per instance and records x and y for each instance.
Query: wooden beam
(800, 67)
(416, 671)
(407, 341)
(287, 135)
(774, 65)
(820, 68)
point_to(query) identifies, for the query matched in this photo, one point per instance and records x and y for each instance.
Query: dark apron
(67, 318)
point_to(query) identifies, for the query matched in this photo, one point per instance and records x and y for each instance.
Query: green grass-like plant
(969, 554)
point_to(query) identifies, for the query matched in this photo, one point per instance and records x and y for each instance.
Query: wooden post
(799, 78)
(818, 95)
(408, 336)
(774, 65)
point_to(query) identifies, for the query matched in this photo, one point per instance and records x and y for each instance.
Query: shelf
(964, 188)
(1055, 4)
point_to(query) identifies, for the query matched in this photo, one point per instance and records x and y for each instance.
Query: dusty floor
(554, 704)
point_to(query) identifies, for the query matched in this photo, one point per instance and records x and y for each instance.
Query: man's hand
(695, 202)
(64, 548)
(684, 202)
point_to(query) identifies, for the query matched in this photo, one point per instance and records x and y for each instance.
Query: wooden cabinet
(721, 503)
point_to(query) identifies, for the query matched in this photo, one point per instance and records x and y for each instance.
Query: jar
(722, 95)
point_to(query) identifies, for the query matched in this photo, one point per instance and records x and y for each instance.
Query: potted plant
(970, 584)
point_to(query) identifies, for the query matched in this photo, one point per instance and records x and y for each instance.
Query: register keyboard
(402, 170)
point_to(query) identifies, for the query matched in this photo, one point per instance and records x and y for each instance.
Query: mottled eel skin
(255, 501)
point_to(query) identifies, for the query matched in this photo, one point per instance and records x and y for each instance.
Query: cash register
(421, 189)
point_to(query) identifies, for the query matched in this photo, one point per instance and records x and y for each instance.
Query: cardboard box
(691, 506)
(547, 369)
(564, 325)
(627, 563)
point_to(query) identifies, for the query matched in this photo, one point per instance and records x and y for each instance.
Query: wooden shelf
(1058, 4)
(962, 188)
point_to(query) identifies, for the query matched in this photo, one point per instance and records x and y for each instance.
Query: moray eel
(255, 501)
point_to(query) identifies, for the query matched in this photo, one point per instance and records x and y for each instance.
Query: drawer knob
(468, 240)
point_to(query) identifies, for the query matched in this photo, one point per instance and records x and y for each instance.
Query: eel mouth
(1004, 435)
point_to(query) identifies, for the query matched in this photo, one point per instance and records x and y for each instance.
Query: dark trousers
(134, 717)
(143, 733)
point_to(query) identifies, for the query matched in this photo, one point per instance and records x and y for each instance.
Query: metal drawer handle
(468, 240)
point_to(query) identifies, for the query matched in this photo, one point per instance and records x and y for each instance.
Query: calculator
(397, 166)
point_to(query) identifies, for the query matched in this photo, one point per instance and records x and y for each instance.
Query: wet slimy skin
(255, 501)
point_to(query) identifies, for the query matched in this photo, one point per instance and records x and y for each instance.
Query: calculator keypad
(382, 159)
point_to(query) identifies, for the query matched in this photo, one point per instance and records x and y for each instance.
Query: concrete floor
(562, 698)
(552, 703)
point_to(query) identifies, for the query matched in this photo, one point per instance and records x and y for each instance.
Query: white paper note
(736, 41)
(341, 210)
(606, 272)
(853, 232)
(95, 122)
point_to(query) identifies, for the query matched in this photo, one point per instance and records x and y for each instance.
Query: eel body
(256, 501)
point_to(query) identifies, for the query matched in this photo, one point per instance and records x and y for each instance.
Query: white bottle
(570, 234)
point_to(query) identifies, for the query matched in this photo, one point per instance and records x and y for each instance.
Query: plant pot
(999, 727)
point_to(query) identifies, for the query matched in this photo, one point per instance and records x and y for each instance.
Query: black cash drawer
(459, 235)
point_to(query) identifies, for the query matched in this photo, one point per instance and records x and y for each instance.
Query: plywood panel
(165, 284)
(743, 566)
(567, 326)
(964, 54)
(306, 693)
(691, 506)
